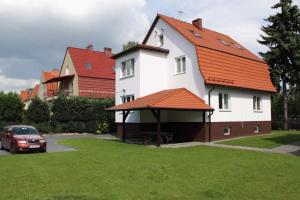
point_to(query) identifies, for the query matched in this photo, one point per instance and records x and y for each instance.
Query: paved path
(292, 149)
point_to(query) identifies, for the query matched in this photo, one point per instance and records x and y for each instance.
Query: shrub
(38, 112)
(43, 127)
(91, 126)
(11, 108)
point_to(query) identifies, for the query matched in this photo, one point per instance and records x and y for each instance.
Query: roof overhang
(139, 47)
(58, 79)
(174, 99)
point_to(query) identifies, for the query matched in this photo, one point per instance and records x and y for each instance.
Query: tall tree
(282, 37)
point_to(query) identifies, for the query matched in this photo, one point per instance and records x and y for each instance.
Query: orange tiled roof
(34, 92)
(24, 95)
(222, 64)
(51, 87)
(181, 99)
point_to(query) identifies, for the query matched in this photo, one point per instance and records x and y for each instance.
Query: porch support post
(204, 116)
(125, 114)
(158, 135)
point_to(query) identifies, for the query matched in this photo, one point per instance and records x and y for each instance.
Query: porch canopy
(59, 78)
(173, 99)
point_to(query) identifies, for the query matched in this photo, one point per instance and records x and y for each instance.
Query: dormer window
(224, 42)
(127, 68)
(160, 40)
(88, 66)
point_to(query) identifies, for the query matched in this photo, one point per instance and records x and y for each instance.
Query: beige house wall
(68, 68)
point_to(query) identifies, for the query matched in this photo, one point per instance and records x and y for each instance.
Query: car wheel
(13, 149)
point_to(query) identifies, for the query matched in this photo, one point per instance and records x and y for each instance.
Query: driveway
(53, 146)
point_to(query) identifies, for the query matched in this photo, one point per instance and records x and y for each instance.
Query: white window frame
(127, 98)
(223, 94)
(181, 69)
(228, 132)
(127, 68)
(257, 103)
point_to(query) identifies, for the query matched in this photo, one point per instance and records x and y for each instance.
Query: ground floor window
(227, 130)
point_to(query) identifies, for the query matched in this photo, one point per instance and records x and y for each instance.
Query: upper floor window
(180, 65)
(67, 70)
(127, 98)
(256, 103)
(160, 40)
(224, 101)
(127, 68)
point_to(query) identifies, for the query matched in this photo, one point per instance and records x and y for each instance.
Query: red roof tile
(90, 63)
(24, 95)
(225, 64)
(35, 91)
(96, 87)
(51, 87)
(180, 99)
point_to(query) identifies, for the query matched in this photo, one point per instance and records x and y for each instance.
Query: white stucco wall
(241, 105)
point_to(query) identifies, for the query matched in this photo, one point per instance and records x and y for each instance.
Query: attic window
(88, 66)
(224, 42)
(195, 33)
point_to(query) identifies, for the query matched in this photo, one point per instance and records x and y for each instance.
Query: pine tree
(282, 37)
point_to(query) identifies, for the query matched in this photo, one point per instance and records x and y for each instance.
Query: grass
(277, 138)
(114, 170)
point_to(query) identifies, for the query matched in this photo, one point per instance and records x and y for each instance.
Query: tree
(282, 37)
(129, 45)
(11, 108)
(38, 112)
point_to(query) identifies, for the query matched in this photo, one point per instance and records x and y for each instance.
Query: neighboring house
(48, 91)
(86, 73)
(28, 94)
(200, 85)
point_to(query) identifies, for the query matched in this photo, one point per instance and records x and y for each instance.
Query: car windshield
(24, 131)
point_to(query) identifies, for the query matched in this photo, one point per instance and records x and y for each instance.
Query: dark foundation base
(194, 131)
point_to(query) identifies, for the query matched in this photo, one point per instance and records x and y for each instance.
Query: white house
(198, 84)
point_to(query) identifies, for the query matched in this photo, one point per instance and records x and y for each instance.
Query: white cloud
(14, 84)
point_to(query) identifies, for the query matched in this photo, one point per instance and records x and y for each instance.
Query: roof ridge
(85, 49)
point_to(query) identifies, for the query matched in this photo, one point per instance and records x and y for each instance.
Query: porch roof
(173, 99)
(59, 78)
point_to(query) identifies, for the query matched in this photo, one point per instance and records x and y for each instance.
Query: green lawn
(277, 138)
(114, 170)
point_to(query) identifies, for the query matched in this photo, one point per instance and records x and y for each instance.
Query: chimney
(198, 23)
(107, 51)
(90, 47)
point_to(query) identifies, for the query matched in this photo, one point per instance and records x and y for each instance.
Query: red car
(19, 138)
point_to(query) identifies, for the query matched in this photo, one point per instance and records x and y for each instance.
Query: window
(88, 66)
(256, 103)
(224, 42)
(180, 65)
(257, 129)
(127, 98)
(160, 40)
(223, 101)
(127, 68)
(238, 46)
(67, 70)
(195, 33)
(227, 130)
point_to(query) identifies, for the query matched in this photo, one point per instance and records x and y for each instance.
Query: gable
(222, 63)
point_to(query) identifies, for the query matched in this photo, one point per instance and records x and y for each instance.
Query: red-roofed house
(86, 73)
(49, 90)
(179, 61)
(28, 94)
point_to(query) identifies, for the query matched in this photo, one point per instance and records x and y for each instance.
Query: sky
(34, 34)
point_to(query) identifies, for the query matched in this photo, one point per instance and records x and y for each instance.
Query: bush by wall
(77, 114)
(11, 109)
(38, 114)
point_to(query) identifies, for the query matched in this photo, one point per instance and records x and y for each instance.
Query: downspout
(210, 114)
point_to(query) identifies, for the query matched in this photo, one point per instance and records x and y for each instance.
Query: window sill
(179, 73)
(222, 110)
(257, 111)
(125, 77)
